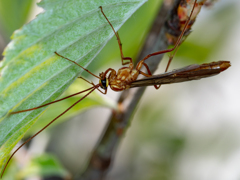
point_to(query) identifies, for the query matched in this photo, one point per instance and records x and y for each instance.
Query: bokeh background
(182, 131)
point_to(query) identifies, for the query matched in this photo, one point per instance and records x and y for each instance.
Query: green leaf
(31, 74)
(43, 165)
(13, 14)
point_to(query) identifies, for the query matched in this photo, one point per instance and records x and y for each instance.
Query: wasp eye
(103, 83)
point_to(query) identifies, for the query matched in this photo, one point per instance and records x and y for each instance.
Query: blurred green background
(181, 132)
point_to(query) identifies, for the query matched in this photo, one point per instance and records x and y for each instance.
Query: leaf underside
(31, 74)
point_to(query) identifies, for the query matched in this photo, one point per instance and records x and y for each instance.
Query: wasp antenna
(16, 112)
(76, 64)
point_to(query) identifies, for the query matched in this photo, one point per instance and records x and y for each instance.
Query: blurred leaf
(10, 173)
(43, 166)
(13, 14)
(189, 49)
(31, 74)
